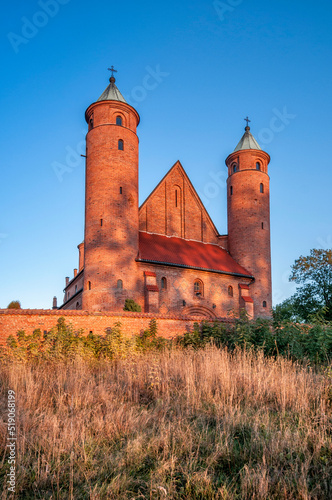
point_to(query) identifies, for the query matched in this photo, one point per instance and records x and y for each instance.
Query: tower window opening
(118, 120)
(198, 288)
(101, 222)
(89, 285)
(261, 188)
(177, 196)
(230, 291)
(264, 303)
(119, 284)
(262, 225)
(231, 190)
(258, 166)
(120, 145)
(234, 168)
(164, 283)
(120, 189)
(91, 123)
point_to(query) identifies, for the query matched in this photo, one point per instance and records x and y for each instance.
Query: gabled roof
(247, 141)
(178, 165)
(112, 93)
(170, 250)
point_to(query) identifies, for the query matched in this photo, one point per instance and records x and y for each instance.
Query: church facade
(167, 254)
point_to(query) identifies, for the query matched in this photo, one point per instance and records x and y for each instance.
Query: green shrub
(131, 305)
(14, 304)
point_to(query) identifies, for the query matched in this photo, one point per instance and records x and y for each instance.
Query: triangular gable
(175, 209)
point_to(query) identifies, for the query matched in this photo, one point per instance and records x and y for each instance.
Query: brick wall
(132, 323)
(174, 209)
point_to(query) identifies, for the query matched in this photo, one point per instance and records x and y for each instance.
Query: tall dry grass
(180, 424)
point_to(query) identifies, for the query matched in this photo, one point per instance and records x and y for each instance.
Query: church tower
(248, 207)
(111, 202)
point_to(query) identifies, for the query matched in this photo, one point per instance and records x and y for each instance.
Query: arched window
(163, 283)
(258, 166)
(234, 168)
(118, 120)
(89, 285)
(264, 303)
(230, 291)
(198, 288)
(261, 188)
(91, 122)
(120, 145)
(119, 284)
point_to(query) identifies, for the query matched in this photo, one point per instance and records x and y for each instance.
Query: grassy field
(176, 424)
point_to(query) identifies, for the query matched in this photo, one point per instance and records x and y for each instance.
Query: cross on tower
(112, 69)
(248, 121)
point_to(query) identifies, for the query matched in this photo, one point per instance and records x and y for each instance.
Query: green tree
(15, 304)
(130, 305)
(313, 299)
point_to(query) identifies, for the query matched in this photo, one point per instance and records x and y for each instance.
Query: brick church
(167, 254)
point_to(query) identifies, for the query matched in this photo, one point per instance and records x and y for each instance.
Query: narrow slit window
(231, 190)
(77, 305)
(89, 285)
(261, 187)
(176, 198)
(120, 189)
(118, 120)
(120, 145)
(75, 288)
(163, 283)
(230, 291)
(262, 225)
(101, 222)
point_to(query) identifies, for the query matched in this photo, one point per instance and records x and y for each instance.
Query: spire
(247, 141)
(112, 93)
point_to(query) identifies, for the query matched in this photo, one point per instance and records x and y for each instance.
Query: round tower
(248, 208)
(111, 202)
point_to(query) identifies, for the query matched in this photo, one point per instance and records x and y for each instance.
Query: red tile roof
(186, 253)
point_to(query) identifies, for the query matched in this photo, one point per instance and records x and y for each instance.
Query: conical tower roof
(112, 93)
(247, 141)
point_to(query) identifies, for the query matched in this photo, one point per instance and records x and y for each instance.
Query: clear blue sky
(217, 66)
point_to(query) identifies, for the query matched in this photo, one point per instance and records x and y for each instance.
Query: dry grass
(178, 424)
